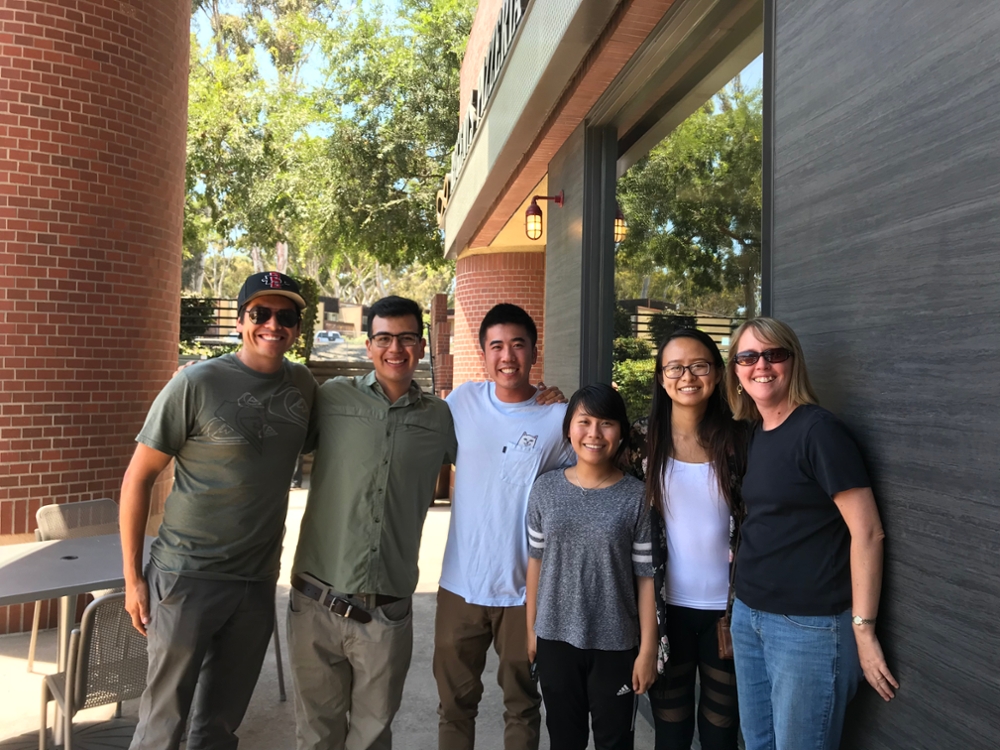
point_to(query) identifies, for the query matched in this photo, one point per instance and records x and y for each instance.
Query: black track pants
(578, 684)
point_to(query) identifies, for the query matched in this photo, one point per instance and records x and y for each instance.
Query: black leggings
(694, 647)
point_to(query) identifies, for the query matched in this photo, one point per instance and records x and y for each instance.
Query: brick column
(93, 117)
(482, 281)
(444, 362)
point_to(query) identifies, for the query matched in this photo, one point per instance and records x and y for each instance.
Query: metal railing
(208, 320)
(653, 327)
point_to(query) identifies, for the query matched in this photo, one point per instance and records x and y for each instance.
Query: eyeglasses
(673, 372)
(384, 340)
(286, 318)
(748, 358)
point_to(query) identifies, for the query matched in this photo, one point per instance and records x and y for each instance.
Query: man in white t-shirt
(505, 440)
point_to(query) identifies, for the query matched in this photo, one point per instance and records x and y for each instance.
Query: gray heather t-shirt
(592, 546)
(235, 435)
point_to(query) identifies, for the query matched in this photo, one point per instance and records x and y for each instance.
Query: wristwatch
(859, 620)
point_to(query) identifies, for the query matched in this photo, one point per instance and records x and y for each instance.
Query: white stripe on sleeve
(536, 539)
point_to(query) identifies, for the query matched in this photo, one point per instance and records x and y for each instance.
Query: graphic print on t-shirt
(527, 441)
(248, 420)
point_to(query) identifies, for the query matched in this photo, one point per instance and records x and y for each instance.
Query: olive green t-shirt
(234, 434)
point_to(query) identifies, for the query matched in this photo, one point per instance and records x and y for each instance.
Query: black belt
(338, 604)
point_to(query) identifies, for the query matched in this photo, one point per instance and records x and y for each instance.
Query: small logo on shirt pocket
(527, 441)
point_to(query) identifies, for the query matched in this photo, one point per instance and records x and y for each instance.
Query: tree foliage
(694, 209)
(634, 379)
(319, 132)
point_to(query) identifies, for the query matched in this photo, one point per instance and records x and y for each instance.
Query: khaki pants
(462, 636)
(347, 676)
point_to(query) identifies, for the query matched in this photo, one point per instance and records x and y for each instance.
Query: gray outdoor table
(63, 569)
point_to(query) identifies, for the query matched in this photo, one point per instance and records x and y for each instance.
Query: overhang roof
(642, 65)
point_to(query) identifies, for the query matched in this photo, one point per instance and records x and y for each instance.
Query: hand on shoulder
(546, 396)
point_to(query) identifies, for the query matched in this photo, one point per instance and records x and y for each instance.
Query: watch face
(857, 619)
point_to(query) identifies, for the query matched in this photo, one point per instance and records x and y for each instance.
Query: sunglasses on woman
(750, 357)
(286, 318)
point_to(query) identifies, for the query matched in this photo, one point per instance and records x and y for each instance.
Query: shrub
(197, 315)
(634, 378)
(623, 323)
(627, 348)
(194, 349)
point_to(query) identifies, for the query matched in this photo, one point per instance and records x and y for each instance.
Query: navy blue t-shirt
(794, 556)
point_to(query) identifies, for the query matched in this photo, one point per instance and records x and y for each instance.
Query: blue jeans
(795, 676)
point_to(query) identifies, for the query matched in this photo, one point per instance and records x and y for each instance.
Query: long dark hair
(720, 435)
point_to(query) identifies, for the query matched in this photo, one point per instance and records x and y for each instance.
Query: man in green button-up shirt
(381, 444)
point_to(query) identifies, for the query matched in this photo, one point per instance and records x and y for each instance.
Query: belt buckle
(333, 603)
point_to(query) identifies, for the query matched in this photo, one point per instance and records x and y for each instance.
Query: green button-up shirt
(372, 482)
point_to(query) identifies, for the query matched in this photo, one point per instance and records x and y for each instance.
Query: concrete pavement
(269, 724)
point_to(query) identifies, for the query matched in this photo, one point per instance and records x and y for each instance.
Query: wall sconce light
(533, 214)
(621, 226)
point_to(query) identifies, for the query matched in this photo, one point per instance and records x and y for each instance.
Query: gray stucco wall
(564, 266)
(886, 261)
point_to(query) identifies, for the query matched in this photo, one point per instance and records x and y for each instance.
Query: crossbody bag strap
(738, 515)
(732, 575)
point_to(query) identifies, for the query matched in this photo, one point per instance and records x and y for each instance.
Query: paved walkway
(269, 724)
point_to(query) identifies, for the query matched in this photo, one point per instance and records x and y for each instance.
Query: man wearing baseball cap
(234, 427)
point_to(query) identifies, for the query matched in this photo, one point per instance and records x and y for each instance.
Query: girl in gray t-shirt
(591, 638)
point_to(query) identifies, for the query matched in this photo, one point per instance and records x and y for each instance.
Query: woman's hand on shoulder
(873, 664)
(644, 671)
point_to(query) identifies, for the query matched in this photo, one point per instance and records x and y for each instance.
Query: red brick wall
(93, 108)
(482, 281)
(444, 362)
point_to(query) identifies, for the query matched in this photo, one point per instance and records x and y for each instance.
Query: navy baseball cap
(270, 282)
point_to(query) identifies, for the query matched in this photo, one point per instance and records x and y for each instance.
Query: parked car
(328, 337)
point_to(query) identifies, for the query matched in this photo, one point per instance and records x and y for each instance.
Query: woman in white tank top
(691, 454)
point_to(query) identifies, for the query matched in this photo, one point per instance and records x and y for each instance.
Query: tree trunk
(281, 257)
(751, 284)
(199, 275)
(750, 296)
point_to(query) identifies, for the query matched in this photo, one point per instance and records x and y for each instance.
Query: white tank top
(697, 525)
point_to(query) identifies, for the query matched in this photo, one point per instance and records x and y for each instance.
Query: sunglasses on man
(285, 318)
(751, 357)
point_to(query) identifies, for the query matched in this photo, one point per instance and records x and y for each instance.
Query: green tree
(394, 81)
(694, 207)
(319, 134)
(421, 282)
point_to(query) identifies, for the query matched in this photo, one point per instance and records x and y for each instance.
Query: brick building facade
(93, 118)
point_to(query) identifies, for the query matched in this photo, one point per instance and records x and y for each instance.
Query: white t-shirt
(697, 523)
(502, 448)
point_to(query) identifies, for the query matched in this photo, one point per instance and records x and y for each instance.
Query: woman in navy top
(809, 567)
